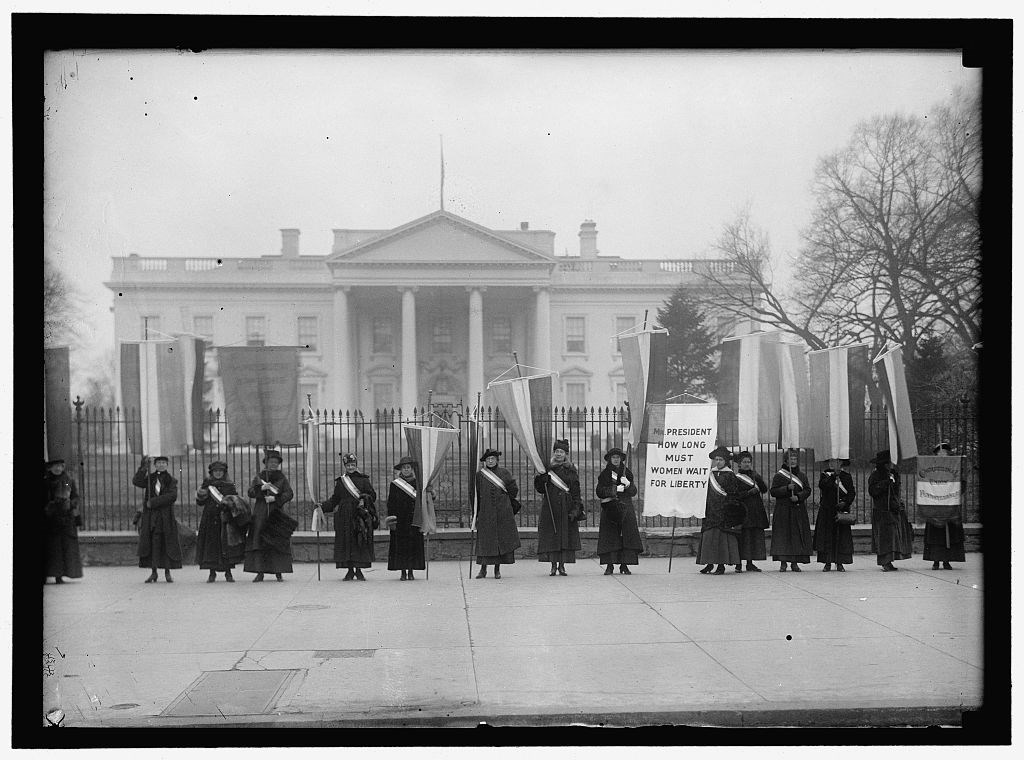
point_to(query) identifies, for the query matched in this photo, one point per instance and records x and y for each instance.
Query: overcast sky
(182, 154)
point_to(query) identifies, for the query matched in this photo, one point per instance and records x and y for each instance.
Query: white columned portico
(542, 328)
(475, 368)
(344, 361)
(409, 370)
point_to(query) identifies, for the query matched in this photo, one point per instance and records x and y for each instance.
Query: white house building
(440, 303)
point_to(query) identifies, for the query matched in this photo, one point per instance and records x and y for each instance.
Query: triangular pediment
(441, 236)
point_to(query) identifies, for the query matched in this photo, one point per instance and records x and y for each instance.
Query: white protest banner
(678, 438)
(938, 488)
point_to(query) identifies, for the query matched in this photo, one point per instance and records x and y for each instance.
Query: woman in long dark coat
(945, 543)
(213, 551)
(61, 556)
(891, 534)
(724, 514)
(159, 545)
(561, 509)
(833, 540)
(270, 491)
(405, 551)
(618, 540)
(752, 544)
(355, 519)
(497, 536)
(791, 528)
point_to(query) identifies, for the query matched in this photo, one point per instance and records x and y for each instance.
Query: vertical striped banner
(429, 446)
(748, 390)
(794, 396)
(525, 405)
(893, 383)
(838, 386)
(645, 365)
(56, 403)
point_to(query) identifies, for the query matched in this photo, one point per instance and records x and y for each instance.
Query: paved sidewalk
(810, 648)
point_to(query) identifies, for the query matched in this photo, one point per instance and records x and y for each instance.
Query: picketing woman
(497, 536)
(268, 547)
(791, 528)
(833, 535)
(405, 551)
(752, 543)
(891, 533)
(944, 540)
(61, 555)
(159, 545)
(214, 550)
(561, 509)
(355, 518)
(724, 514)
(618, 539)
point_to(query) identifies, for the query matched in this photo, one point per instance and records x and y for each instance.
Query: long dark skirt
(718, 547)
(159, 556)
(62, 555)
(833, 541)
(508, 558)
(892, 536)
(565, 556)
(211, 546)
(405, 552)
(935, 548)
(791, 532)
(752, 544)
(620, 557)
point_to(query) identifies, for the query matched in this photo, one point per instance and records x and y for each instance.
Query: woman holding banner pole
(791, 528)
(406, 550)
(497, 534)
(558, 532)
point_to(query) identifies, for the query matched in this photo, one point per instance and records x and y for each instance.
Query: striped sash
(217, 496)
(495, 480)
(842, 488)
(713, 482)
(792, 478)
(744, 479)
(558, 482)
(405, 487)
(351, 487)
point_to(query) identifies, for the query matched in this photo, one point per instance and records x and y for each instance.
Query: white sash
(713, 482)
(217, 495)
(792, 477)
(405, 487)
(156, 487)
(495, 480)
(557, 481)
(351, 487)
(744, 479)
(842, 488)
(273, 489)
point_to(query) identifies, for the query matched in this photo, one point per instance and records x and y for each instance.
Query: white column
(475, 368)
(542, 329)
(344, 362)
(409, 391)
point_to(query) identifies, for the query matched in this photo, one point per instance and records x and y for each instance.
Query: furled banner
(311, 444)
(525, 405)
(261, 393)
(893, 384)
(938, 488)
(795, 396)
(162, 383)
(645, 364)
(839, 379)
(679, 438)
(56, 404)
(429, 446)
(473, 453)
(749, 403)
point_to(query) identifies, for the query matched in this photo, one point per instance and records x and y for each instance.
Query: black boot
(497, 571)
(752, 568)
(228, 577)
(403, 578)
(554, 568)
(739, 568)
(782, 567)
(706, 569)
(359, 575)
(827, 568)
(889, 567)
(720, 570)
(352, 574)
(212, 576)
(840, 568)
(935, 565)
(258, 578)
(945, 566)
(167, 576)
(796, 567)
(280, 578)
(609, 570)
(152, 577)
(411, 576)
(623, 570)
(483, 572)
(58, 579)
(561, 568)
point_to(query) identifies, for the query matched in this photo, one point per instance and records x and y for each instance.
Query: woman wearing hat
(833, 540)
(268, 546)
(355, 519)
(61, 555)
(945, 542)
(558, 532)
(752, 545)
(213, 552)
(618, 541)
(497, 536)
(158, 530)
(723, 516)
(891, 534)
(791, 528)
(405, 551)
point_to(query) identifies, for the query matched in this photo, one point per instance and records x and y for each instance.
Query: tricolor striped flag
(794, 396)
(163, 381)
(748, 390)
(645, 364)
(839, 378)
(525, 405)
(893, 384)
(429, 446)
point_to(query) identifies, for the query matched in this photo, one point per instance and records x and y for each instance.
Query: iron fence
(106, 462)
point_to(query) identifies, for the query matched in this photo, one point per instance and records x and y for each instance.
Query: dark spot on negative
(789, 638)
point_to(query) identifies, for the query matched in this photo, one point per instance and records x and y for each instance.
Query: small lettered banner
(938, 488)
(678, 439)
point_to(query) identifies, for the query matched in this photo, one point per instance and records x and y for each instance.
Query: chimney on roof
(524, 226)
(290, 243)
(588, 239)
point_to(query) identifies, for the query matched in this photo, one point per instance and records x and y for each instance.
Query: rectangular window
(255, 331)
(149, 328)
(621, 325)
(383, 336)
(501, 335)
(441, 342)
(575, 402)
(203, 325)
(308, 329)
(575, 335)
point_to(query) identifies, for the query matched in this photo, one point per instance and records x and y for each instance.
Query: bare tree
(60, 300)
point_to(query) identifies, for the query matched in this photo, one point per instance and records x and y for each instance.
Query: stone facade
(440, 303)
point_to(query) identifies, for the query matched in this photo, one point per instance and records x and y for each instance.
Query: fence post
(79, 403)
